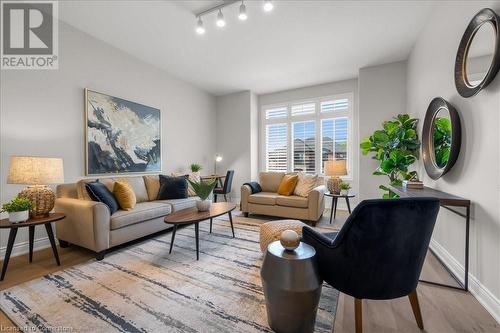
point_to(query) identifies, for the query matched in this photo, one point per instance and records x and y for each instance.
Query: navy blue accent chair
(226, 188)
(379, 252)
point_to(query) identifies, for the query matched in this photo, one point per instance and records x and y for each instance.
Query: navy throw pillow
(99, 192)
(173, 188)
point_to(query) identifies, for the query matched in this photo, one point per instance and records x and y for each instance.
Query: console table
(447, 201)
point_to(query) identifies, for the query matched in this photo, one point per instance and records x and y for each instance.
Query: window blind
(334, 105)
(280, 112)
(303, 109)
(276, 147)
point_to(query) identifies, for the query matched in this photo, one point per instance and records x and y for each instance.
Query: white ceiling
(299, 43)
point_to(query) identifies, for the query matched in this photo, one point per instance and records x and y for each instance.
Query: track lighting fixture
(200, 29)
(220, 21)
(243, 12)
(268, 5)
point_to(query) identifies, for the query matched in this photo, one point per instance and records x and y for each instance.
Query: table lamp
(334, 169)
(218, 158)
(37, 173)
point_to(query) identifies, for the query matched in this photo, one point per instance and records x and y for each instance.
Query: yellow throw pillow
(287, 184)
(125, 195)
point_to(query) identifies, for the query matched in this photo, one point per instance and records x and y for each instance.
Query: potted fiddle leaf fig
(396, 147)
(18, 209)
(203, 190)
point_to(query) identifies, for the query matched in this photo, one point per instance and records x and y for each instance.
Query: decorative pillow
(173, 188)
(193, 176)
(152, 186)
(305, 184)
(287, 184)
(125, 195)
(81, 190)
(99, 192)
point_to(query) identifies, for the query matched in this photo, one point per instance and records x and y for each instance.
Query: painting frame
(87, 92)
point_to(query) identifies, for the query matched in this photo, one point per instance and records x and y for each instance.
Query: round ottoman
(271, 231)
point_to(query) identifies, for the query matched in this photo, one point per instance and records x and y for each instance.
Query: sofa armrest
(87, 223)
(316, 202)
(246, 191)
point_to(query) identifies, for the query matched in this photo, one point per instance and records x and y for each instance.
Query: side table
(31, 223)
(292, 288)
(335, 199)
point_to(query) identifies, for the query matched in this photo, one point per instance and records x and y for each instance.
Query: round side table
(335, 199)
(31, 223)
(292, 288)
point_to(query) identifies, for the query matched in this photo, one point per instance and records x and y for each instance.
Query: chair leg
(215, 197)
(358, 315)
(416, 308)
(225, 198)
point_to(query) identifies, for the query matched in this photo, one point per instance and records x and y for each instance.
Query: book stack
(413, 184)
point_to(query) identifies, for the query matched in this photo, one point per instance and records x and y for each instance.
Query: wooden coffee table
(31, 223)
(192, 215)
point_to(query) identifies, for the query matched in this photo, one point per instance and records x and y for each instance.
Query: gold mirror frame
(484, 16)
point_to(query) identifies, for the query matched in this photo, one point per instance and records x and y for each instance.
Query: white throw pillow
(305, 184)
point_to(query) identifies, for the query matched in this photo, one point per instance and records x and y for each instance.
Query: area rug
(141, 288)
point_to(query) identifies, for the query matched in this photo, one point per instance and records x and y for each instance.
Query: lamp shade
(32, 170)
(336, 168)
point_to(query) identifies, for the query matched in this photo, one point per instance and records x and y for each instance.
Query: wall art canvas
(121, 136)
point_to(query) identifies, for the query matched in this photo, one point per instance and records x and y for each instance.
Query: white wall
(476, 175)
(382, 95)
(323, 90)
(42, 112)
(236, 137)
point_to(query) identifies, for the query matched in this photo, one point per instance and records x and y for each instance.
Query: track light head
(243, 12)
(268, 6)
(200, 29)
(220, 20)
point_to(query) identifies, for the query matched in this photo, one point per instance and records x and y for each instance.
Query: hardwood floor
(443, 309)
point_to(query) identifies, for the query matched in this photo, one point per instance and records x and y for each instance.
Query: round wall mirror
(478, 59)
(441, 138)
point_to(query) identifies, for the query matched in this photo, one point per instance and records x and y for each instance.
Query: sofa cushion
(192, 176)
(152, 183)
(178, 204)
(125, 195)
(292, 201)
(270, 181)
(173, 188)
(305, 185)
(81, 190)
(143, 211)
(263, 198)
(287, 184)
(138, 186)
(97, 191)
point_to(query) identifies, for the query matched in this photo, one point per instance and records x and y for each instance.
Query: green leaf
(378, 173)
(387, 165)
(403, 118)
(380, 137)
(202, 188)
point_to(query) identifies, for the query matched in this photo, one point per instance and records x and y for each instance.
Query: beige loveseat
(89, 223)
(269, 202)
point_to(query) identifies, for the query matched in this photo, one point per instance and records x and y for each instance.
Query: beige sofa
(269, 202)
(89, 223)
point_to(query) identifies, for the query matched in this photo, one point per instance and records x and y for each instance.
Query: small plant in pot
(195, 167)
(344, 188)
(203, 190)
(18, 209)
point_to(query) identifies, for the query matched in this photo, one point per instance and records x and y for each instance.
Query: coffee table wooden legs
(197, 236)
(210, 225)
(8, 251)
(231, 221)
(173, 237)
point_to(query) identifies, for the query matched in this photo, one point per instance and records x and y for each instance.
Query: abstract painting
(121, 136)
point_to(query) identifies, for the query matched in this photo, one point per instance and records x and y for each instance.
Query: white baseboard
(476, 288)
(23, 247)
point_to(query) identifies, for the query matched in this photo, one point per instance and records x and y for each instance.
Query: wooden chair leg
(358, 315)
(416, 308)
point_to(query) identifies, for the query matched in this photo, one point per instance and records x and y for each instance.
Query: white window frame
(317, 117)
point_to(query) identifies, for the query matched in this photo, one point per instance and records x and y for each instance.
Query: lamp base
(333, 185)
(42, 196)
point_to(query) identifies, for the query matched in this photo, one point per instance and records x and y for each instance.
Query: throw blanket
(254, 186)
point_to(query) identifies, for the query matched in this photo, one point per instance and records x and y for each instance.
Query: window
(301, 136)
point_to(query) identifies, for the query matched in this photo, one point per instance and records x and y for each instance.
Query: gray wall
(476, 175)
(382, 95)
(237, 139)
(42, 111)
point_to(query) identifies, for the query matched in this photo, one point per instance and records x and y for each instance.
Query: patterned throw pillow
(305, 184)
(125, 195)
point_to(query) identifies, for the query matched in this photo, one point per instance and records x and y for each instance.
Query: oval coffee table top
(53, 217)
(191, 215)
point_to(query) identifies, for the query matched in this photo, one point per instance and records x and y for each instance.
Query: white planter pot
(16, 217)
(203, 205)
(344, 192)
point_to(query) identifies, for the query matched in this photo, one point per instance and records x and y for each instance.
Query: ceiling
(299, 43)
